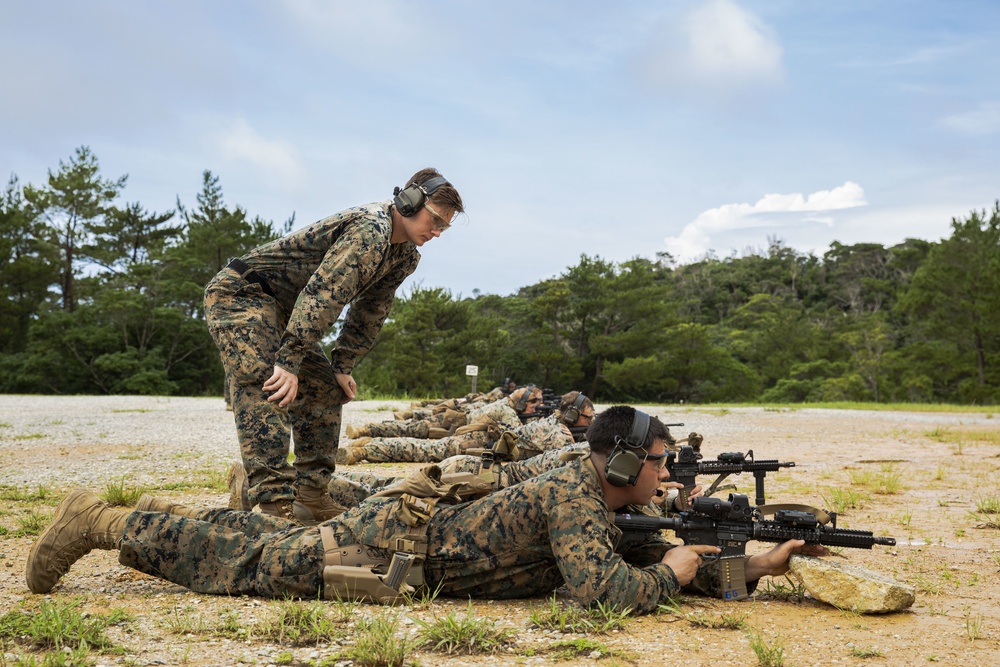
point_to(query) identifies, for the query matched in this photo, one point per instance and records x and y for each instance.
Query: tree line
(101, 296)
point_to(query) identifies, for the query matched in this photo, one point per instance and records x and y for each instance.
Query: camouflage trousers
(349, 488)
(226, 552)
(399, 429)
(247, 324)
(416, 450)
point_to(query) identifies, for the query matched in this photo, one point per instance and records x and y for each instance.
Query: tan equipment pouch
(349, 572)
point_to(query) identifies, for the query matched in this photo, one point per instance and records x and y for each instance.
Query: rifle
(687, 462)
(730, 524)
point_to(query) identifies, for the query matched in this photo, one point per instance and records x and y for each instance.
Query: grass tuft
(769, 654)
(377, 644)
(599, 619)
(120, 493)
(469, 635)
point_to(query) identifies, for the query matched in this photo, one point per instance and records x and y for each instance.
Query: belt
(248, 274)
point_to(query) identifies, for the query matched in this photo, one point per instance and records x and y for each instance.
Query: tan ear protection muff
(623, 465)
(572, 413)
(522, 403)
(410, 200)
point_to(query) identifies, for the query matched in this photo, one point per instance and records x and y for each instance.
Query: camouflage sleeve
(593, 572)
(366, 315)
(353, 257)
(543, 435)
(643, 549)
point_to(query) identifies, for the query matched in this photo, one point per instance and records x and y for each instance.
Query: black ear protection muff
(572, 413)
(522, 402)
(411, 199)
(623, 465)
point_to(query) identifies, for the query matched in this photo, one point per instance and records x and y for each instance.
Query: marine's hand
(694, 492)
(348, 384)
(684, 561)
(775, 562)
(284, 385)
(565, 430)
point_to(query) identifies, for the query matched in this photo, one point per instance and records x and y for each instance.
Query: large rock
(850, 587)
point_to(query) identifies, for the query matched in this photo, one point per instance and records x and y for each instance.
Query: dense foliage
(102, 296)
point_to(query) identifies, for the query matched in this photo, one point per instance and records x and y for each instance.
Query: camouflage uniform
(533, 438)
(417, 428)
(314, 274)
(527, 540)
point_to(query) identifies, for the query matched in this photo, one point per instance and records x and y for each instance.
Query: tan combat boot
(82, 522)
(314, 506)
(239, 487)
(357, 431)
(282, 509)
(350, 455)
(403, 416)
(435, 433)
(150, 503)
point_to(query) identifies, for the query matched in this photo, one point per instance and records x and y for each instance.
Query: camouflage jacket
(542, 435)
(498, 412)
(529, 539)
(315, 272)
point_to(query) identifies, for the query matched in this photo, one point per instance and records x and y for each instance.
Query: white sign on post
(473, 372)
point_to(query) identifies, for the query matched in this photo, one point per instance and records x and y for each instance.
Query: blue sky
(609, 129)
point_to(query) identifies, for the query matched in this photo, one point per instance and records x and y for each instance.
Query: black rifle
(550, 403)
(686, 463)
(730, 524)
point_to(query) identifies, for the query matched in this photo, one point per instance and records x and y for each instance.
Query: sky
(570, 127)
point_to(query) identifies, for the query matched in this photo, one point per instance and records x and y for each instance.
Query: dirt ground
(920, 477)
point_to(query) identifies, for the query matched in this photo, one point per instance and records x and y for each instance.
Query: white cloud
(769, 212)
(272, 158)
(717, 47)
(979, 122)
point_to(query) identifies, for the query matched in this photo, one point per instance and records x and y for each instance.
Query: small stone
(849, 587)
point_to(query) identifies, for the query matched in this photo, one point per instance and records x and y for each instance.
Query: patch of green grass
(733, 621)
(906, 518)
(31, 523)
(769, 653)
(571, 649)
(57, 625)
(859, 652)
(886, 481)
(29, 436)
(839, 499)
(376, 644)
(973, 626)
(132, 410)
(41, 493)
(297, 624)
(467, 635)
(121, 493)
(422, 596)
(5, 425)
(213, 480)
(987, 512)
(599, 619)
(788, 590)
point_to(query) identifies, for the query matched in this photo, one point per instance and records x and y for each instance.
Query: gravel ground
(173, 445)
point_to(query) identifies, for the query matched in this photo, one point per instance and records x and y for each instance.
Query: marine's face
(652, 473)
(585, 418)
(532, 404)
(426, 224)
